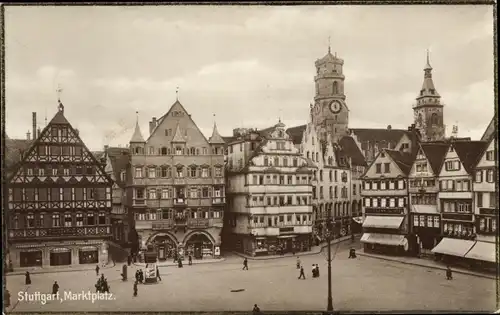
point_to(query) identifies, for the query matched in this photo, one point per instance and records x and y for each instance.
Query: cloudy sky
(248, 65)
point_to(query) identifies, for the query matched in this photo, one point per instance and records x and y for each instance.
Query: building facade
(175, 187)
(59, 201)
(269, 188)
(425, 217)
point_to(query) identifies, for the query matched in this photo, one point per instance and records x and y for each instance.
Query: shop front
(88, 255)
(60, 256)
(382, 234)
(30, 258)
(426, 227)
(165, 246)
(452, 250)
(483, 255)
(199, 246)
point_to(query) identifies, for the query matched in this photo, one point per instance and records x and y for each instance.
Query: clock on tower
(335, 106)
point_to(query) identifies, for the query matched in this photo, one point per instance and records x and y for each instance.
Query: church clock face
(335, 106)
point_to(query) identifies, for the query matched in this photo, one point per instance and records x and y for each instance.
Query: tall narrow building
(428, 110)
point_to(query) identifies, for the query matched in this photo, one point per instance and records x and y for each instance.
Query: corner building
(269, 193)
(59, 201)
(176, 187)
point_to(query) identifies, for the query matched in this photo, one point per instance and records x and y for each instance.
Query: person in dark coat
(298, 262)
(302, 274)
(352, 253)
(449, 274)
(6, 298)
(158, 273)
(135, 289)
(102, 277)
(256, 310)
(179, 263)
(27, 278)
(190, 259)
(245, 264)
(141, 276)
(55, 288)
(317, 271)
(97, 270)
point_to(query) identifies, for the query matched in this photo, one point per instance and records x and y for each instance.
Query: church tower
(330, 114)
(428, 110)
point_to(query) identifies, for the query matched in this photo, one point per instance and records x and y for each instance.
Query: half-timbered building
(59, 201)
(176, 186)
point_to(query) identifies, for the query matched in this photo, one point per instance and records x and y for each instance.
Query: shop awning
(384, 222)
(384, 239)
(483, 251)
(425, 209)
(88, 249)
(60, 250)
(453, 247)
(286, 236)
(358, 220)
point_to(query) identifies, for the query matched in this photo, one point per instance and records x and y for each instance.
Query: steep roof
(469, 152)
(137, 136)
(489, 133)
(378, 134)
(119, 158)
(178, 135)
(295, 133)
(14, 152)
(216, 137)
(352, 150)
(435, 154)
(402, 159)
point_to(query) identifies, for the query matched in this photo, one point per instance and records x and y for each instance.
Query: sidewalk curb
(310, 253)
(183, 264)
(427, 266)
(35, 272)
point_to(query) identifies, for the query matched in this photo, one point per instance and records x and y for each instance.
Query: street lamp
(329, 307)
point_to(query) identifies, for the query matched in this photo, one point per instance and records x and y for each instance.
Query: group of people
(302, 275)
(102, 285)
(139, 276)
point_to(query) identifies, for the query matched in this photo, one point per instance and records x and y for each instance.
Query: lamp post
(329, 307)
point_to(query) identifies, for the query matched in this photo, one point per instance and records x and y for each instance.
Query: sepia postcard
(252, 159)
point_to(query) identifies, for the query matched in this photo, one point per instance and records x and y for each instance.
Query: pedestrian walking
(302, 274)
(97, 270)
(352, 253)
(158, 273)
(55, 288)
(245, 264)
(136, 275)
(135, 289)
(6, 298)
(317, 271)
(449, 274)
(256, 310)
(190, 259)
(298, 262)
(141, 276)
(179, 264)
(27, 277)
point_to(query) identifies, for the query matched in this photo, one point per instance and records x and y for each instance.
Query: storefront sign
(457, 216)
(384, 211)
(486, 211)
(286, 229)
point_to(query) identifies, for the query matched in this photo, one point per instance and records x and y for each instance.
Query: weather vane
(177, 93)
(59, 91)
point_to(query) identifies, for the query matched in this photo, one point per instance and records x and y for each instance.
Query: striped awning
(453, 247)
(384, 222)
(60, 250)
(384, 239)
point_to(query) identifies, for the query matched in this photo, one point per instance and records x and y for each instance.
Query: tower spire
(329, 44)
(60, 106)
(137, 136)
(428, 64)
(177, 94)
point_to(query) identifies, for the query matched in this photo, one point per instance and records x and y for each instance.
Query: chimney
(34, 124)
(28, 136)
(152, 125)
(39, 131)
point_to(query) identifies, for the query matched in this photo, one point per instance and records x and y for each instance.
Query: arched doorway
(199, 245)
(165, 245)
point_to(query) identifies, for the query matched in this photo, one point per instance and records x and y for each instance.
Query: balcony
(61, 232)
(180, 202)
(218, 200)
(180, 181)
(180, 221)
(153, 224)
(139, 202)
(423, 190)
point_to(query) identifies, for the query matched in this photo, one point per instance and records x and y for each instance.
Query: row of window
(421, 167)
(170, 214)
(178, 150)
(486, 200)
(57, 220)
(455, 185)
(179, 192)
(260, 201)
(454, 165)
(315, 158)
(424, 199)
(458, 228)
(332, 192)
(179, 172)
(277, 161)
(332, 176)
(488, 225)
(426, 221)
(420, 182)
(280, 180)
(461, 206)
(338, 211)
(385, 202)
(485, 176)
(385, 184)
(386, 169)
(279, 220)
(56, 150)
(58, 194)
(58, 170)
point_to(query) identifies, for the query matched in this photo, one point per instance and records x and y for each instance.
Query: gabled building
(176, 189)
(269, 188)
(456, 198)
(385, 206)
(485, 206)
(425, 218)
(59, 201)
